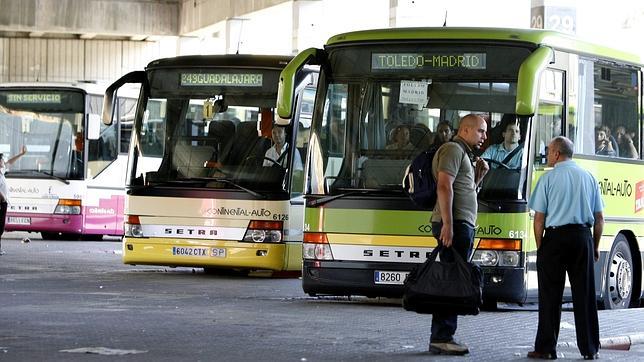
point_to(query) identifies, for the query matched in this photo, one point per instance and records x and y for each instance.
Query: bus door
(299, 138)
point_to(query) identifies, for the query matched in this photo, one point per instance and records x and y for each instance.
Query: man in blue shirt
(567, 203)
(499, 152)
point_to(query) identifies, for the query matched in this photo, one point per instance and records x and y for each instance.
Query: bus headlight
(486, 257)
(259, 231)
(68, 207)
(132, 227)
(133, 230)
(316, 246)
(316, 251)
(509, 258)
(498, 252)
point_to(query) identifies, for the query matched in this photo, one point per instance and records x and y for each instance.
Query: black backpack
(419, 183)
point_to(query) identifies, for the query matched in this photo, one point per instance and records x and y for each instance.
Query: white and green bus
(203, 188)
(363, 234)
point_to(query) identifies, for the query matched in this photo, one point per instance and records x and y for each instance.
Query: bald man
(457, 172)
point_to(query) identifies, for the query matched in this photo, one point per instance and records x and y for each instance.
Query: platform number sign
(559, 18)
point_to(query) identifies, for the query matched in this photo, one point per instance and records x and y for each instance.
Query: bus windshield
(213, 137)
(378, 116)
(50, 124)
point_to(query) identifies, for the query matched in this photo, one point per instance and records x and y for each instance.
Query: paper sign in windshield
(413, 92)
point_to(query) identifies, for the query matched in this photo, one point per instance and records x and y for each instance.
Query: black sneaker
(449, 348)
(2, 252)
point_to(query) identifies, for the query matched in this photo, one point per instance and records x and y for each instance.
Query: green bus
(363, 234)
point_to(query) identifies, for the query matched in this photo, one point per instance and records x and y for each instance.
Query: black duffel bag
(445, 287)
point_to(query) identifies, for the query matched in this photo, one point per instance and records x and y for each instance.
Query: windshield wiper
(254, 193)
(324, 200)
(205, 180)
(49, 175)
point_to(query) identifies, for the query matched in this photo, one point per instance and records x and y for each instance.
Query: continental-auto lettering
(222, 79)
(41, 98)
(238, 211)
(395, 254)
(488, 230)
(612, 188)
(413, 61)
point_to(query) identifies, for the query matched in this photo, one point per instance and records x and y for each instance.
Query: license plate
(19, 220)
(389, 277)
(183, 251)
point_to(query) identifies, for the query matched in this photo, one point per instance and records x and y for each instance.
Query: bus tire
(618, 287)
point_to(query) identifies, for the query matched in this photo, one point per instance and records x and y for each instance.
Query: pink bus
(70, 184)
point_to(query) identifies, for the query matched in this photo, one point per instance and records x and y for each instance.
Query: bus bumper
(44, 222)
(350, 278)
(204, 253)
(504, 284)
(358, 278)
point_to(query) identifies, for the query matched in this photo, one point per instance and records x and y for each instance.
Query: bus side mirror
(93, 127)
(108, 99)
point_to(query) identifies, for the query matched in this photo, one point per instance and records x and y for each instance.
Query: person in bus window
(457, 172)
(509, 148)
(603, 145)
(567, 204)
(4, 191)
(625, 143)
(77, 155)
(278, 152)
(443, 134)
(400, 139)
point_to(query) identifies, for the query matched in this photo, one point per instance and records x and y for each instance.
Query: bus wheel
(618, 288)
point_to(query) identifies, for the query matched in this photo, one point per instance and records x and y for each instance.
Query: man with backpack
(457, 172)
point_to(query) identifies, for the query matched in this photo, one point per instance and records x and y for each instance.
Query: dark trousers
(3, 216)
(567, 249)
(444, 324)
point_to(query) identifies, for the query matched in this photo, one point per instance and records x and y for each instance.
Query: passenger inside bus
(603, 144)
(625, 144)
(77, 155)
(400, 139)
(443, 134)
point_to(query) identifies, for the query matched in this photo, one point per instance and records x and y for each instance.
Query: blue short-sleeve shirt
(567, 194)
(498, 153)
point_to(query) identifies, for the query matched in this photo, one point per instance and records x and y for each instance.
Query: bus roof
(535, 37)
(277, 62)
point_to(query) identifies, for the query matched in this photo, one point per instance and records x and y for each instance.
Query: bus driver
(277, 153)
(508, 152)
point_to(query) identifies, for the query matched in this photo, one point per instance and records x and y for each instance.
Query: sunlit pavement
(74, 300)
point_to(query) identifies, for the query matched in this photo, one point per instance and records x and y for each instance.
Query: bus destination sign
(33, 98)
(222, 79)
(420, 62)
